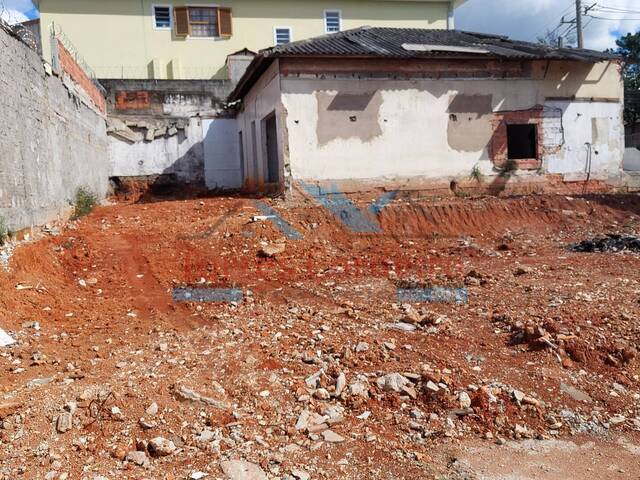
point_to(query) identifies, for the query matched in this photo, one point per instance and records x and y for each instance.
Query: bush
(4, 231)
(85, 202)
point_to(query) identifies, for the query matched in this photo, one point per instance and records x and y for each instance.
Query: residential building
(178, 39)
(428, 108)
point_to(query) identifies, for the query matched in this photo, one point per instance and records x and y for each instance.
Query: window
(332, 21)
(522, 141)
(162, 17)
(203, 22)
(282, 35)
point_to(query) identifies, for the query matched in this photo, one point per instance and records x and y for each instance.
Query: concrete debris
(161, 447)
(64, 422)
(242, 470)
(5, 339)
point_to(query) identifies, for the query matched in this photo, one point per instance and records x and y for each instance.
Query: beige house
(415, 108)
(178, 39)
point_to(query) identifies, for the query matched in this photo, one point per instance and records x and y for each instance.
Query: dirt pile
(198, 339)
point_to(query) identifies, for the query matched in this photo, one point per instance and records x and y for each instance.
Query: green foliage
(85, 202)
(4, 231)
(476, 174)
(629, 49)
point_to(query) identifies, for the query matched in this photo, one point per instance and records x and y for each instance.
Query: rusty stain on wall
(469, 127)
(346, 116)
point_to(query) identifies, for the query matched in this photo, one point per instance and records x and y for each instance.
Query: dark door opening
(272, 173)
(522, 141)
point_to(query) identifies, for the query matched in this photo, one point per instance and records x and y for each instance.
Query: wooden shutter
(225, 28)
(182, 21)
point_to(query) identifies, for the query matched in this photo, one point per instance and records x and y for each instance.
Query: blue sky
(519, 19)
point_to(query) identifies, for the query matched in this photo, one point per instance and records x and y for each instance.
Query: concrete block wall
(50, 142)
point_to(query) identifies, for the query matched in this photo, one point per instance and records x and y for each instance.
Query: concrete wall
(263, 100)
(118, 38)
(223, 166)
(180, 154)
(165, 98)
(50, 142)
(348, 126)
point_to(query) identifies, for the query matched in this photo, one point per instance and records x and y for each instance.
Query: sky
(528, 19)
(519, 19)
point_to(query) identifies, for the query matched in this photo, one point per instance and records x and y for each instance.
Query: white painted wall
(414, 124)
(222, 165)
(594, 125)
(181, 154)
(263, 99)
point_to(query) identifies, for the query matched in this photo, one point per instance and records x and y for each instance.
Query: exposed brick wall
(69, 65)
(498, 145)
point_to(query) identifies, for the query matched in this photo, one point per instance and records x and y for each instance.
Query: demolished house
(427, 109)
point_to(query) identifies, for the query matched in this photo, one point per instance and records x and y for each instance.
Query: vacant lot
(527, 368)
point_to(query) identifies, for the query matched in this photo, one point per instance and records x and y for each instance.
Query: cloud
(528, 19)
(12, 16)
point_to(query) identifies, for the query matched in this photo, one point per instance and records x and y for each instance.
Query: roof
(411, 43)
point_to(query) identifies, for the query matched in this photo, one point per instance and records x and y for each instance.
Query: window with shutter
(225, 22)
(161, 17)
(332, 21)
(282, 35)
(182, 21)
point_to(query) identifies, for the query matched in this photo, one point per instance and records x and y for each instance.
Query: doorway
(272, 170)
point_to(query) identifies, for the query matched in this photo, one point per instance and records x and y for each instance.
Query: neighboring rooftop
(409, 43)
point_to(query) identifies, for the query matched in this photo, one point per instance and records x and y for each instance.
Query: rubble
(320, 366)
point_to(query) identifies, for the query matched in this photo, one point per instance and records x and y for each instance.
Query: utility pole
(579, 23)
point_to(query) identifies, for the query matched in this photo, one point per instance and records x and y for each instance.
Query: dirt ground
(320, 371)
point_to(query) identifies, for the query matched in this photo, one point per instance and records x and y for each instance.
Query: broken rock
(241, 470)
(161, 447)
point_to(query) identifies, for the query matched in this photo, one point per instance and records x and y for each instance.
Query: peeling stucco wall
(438, 128)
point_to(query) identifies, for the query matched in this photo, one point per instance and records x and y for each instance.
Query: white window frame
(153, 16)
(275, 34)
(332, 10)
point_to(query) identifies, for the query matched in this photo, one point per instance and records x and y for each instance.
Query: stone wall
(51, 143)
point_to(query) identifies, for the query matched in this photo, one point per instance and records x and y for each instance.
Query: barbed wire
(12, 25)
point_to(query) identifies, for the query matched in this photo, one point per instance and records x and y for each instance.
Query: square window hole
(522, 141)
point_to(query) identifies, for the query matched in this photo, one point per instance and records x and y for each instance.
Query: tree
(629, 49)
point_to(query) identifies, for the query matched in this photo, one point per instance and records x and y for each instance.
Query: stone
(464, 399)
(241, 470)
(518, 395)
(362, 347)
(341, 383)
(300, 474)
(152, 409)
(392, 382)
(322, 394)
(577, 395)
(332, 437)
(64, 422)
(617, 419)
(38, 382)
(303, 420)
(161, 447)
(272, 250)
(432, 387)
(139, 458)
